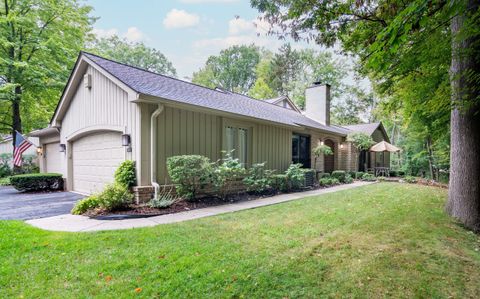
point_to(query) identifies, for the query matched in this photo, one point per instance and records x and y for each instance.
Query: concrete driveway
(23, 206)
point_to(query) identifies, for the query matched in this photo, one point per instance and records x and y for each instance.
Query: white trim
(93, 129)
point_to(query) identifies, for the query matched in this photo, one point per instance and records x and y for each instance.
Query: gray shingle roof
(364, 128)
(156, 85)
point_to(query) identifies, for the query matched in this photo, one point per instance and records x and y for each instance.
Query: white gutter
(153, 148)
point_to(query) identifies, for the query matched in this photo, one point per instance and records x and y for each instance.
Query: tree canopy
(136, 54)
(39, 42)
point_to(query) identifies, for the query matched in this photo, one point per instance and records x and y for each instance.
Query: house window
(236, 139)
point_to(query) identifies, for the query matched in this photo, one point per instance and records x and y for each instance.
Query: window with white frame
(236, 139)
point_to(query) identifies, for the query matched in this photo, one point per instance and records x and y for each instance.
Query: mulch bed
(179, 206)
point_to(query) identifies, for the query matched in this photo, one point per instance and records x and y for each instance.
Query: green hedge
(339, 175)
(37, 182)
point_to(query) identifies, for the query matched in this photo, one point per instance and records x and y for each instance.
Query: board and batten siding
(105, 104)
(187, 132)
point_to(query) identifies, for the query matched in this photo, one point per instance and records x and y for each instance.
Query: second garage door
(94, 161)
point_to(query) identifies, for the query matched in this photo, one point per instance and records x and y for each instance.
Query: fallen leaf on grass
(138, 290)
(108, 278)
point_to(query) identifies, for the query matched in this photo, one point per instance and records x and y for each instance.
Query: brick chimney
(317, 102)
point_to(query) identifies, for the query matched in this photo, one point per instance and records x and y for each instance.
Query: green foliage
(230, 70)
(410, 179)
(5, 181)
(136, 54)
(322, 149)
(125, 174)
(340, 175)
(258, 179)
(86, 204)
(369, 177)
(328, 181)
(5, 169)
(324, 175)
(280, 182)
(295, 176)
(360, 140)
(348, 179)
(40, 41)
(165, 199)
(114, 197)
(225, 173)
(359, 175)
(37, 182)
(190, 173)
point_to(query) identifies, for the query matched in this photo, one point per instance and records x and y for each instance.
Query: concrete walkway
(75, 223)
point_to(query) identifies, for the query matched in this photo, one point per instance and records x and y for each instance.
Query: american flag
(21, 145)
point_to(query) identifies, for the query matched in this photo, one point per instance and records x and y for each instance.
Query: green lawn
(382, 240)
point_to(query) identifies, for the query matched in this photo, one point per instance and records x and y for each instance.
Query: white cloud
(207, 1)
(239, 25)
(134, 34)
(180, 19)
(100, 33)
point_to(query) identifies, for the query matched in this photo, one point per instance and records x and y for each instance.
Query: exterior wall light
(341, 145)
(125, 140)
(321, 142)
(39, 150)
(63, 147)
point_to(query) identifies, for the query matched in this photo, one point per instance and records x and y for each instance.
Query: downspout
(153, 148)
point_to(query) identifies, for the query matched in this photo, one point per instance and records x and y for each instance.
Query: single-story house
(110, 112)
(6, 147)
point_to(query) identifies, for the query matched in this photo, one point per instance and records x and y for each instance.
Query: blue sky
(186, 31)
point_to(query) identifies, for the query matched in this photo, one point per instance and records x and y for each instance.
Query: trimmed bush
(280, 182)
(189, 173)
(339, 175)
(86, 204)
(125, 174)
(328, 181)
(5, 181)
(401, 173)
(295, 176)
(224, 173)
(359, 175)
(323, 175)
(369, 177)
(348, 179)
(114, 197)
(258, 179)
(37, 182)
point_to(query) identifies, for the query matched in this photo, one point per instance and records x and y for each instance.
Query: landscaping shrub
(114, 197)
(339, 175)
(328, 181)
(410, 179)
(348, 179)
(37, 182)
(258, 179)
(190, 173)
(323, 175)
(164, 200)
(393, 173)
(225, 172)
(280, 182)
(5, 169)
(368, 177)
(359, 175)
(86, 204)
(295, 176)
(381, 179)
(125, 174)
(5, 181)
(401, 173)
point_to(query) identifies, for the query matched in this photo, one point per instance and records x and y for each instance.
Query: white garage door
(94, 161)
(52, 158)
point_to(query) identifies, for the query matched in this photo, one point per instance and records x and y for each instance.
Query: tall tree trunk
(428, 143)
(464, 192)
(16, 118)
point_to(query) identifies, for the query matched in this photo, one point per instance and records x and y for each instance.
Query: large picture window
(236, 139)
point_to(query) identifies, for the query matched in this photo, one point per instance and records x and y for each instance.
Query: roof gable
(369, 129)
